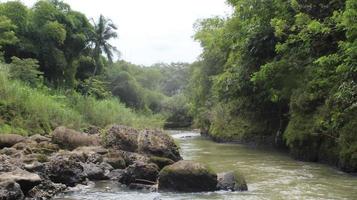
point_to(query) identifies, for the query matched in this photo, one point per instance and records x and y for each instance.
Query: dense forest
(57, 68)
(277, 72)
(282, 72)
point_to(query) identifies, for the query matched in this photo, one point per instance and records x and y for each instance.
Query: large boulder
(158, 143)
(11, 190)
(8, 140)
(71, 139)
(150, 142)
(232, 181)
(122, 138)
(26, 179)
(140, 172)
(187, 176)
(65, 169)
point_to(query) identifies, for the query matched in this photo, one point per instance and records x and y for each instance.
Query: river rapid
(270, 175)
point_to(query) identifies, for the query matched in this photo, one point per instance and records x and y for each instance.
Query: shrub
(25, 110)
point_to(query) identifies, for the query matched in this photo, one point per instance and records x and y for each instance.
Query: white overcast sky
(152, 31)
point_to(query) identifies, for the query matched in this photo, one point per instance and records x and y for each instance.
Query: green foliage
(26, 70)
(7, 34)
(282, 69)
(54, 31)
(25, 110)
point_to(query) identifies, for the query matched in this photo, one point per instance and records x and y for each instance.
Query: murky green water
(270, 175)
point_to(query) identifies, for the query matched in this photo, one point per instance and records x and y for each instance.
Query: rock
(66, 170)
(9, 151)
(115, 159)
(94, 172)
(151, 142)
(157, 143)
(6, 165)
(160, 161)
(91, 154)
(232, 181)
(187, 176)
(46, 190)
(116, 174)
(39, 138)
(71, 139)
(11, 190)
(8, 140)
(93, 130)
(36, 167)
(44, 147)
(131, 158)
(122, 138)
(26, 179)
(140, 171)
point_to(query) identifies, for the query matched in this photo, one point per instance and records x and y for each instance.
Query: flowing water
(269, 174)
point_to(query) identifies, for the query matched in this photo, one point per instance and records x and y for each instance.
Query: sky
(152, 31)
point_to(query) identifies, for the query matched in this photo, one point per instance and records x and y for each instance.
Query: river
(270, 175)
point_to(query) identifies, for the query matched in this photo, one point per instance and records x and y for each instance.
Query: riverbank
(39, 167)
(317, 152)
(270, 174)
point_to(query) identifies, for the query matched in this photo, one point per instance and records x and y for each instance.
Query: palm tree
(104, 30)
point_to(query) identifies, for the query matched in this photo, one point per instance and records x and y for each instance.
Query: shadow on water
(270, 175)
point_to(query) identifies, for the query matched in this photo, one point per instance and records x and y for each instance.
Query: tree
(7, 34)
(104, 31)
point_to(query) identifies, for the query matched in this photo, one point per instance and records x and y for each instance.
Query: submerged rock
(11, 190)
(187, 176)
(233, 181)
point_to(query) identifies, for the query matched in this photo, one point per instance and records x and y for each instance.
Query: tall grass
(25, 110)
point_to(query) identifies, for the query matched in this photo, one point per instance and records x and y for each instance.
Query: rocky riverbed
(39, 167)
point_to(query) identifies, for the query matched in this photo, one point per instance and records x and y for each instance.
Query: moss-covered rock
(187, 176)
(115, 159)
(161, 162)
